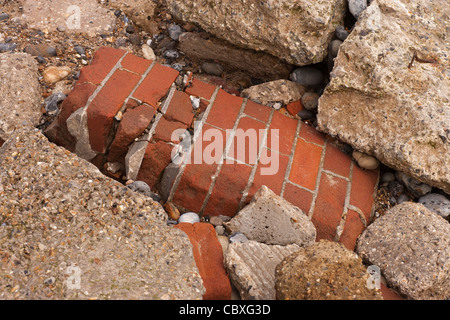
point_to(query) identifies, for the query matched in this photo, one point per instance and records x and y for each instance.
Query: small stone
(51, 103)
(310, 101)
(403, 198)
(175, 31)
(141, 187)
(121, 42)
(129, 29)
(238, 237)
(189, 217)
(416, 187)
(212, 68)
(195, 102)
(388, 177)
(42, 50)
(395, 188)
(334, 47)
(61, 28)
(4, 47)
(365, 161)
(356, 7)
(4, 16)
(41, 60)
(171, 54)
(220, 230)
(53, 74)
(148, 53)
(219, 220)
(172, 211)
(49, 281)
(306, 115)
(80, 50)
(135, 39)
(437, 203)
(341, 33)
(307, 76)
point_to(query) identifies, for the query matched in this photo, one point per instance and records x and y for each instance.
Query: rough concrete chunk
(386, 104)
(411, 246)
(69, 232)
(272, 220)
(324, 271)
(251, 267)
(296, 31)
(19, 92)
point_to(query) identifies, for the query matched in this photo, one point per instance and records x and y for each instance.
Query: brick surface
(310, 134)
(257, 111)
(180, 109)
(156, 85)
(337, 161)
(208, 257)
(283, 129)
(225, 110)
(363, 186)
(298, 197)
(294, 107)
(104, 60)
(201, 89)
(352, 229)
(247, 141)
(135, 64)
(157, 158)
(166, 128)
(105, 106)
(305, 166)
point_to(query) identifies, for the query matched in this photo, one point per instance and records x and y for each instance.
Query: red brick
(157, 157)
(201, 89)
(105, 106)
(294, 107)
(364, 183)
(273, 182)
(310, 134)
(298, 197)
(57, 131)
(257, 111)
(329, 206)
(156, 85)
(337, 161)
(287, 129)
(104, 60)
(352, 229)
(135, 63)
(194, 186)
(132, 125)
(305, 165)
(180, 108)
(165, 129)
(247, 141)
(225, 110)
(227, 191)
(389, 294)
(210, 145)
(208, 257)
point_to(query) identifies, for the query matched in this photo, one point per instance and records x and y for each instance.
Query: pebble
(307, 76)
(135, 39)
(4, 47)
(212, 68)
(403, 198)
(80, 50)
(195, 102)
(141, 187)
(310, 100)
(171, 54)
(129, 29)
(42, 50)
(61, 28)
(388, 177)
(356, 7)
(395, 188)
(220, 230)
(219, 220)
(437, 203)
(306, 115)
(175, 31)
(4, 16)
(334, 47)
(53, 74)
(341, 33)
(189, 217)
(51, 103)
(365, 161)
(121, 42)
(148, 52)
(238, 237)
(416, 187)
(172, 211)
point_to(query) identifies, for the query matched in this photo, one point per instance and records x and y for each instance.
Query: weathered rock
(307, 76)
(414, 186)
(40, 50)
(251, 267)
(437, 203)
(411, 246)
(365, 161)
(19, 91)
(258, 64)
(324, 271)
(384, 105)
(269, 93)
(270, 219)
(148, 53)
(69, 15)
(295, 31)
(54, 74)
(81, 235)
(356, 7)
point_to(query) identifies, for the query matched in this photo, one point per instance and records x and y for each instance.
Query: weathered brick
(329, 206)
(194, 186)
(287, 128)
(210, 145)
(294, 107)
(166, 128)
(247, 140)
(156, 85)
(310, 134)
(352, 229)
(298, 197)
(337, 161)
(105, 106)
(57, 132)
(104, 60)
(201, 89)
(364, 183)
(257, 111)
(157, 157)
(305, 165)
(227, 191)
(180, 109)
(135, 64)
(209, 259)
(132, 125)
(225, 110)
